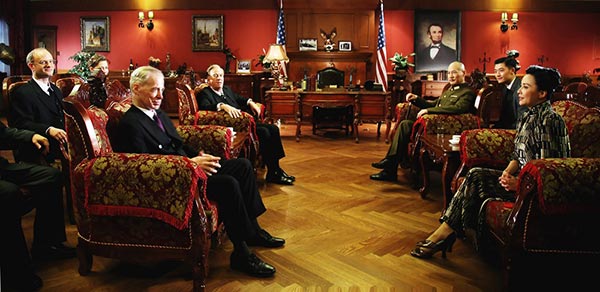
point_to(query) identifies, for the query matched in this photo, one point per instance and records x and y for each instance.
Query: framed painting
(207, 33)
(437, 40)
(95, 34)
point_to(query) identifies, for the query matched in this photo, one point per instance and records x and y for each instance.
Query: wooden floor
(344, 232)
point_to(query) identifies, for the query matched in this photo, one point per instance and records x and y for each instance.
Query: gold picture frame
(95, 33)
(207, 33)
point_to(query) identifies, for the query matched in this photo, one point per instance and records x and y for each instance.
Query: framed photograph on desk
(243, 67)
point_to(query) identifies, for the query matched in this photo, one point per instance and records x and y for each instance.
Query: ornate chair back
(330, 76)
(67, 84)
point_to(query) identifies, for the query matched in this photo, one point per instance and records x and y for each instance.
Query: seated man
(37, 106)
(457, 99)
(505, 69)
(218, 97)
(231, 183)
(44, 184)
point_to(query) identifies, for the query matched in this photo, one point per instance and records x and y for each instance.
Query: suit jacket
(12, 135)
(458, 99)
(138, 133)
(444, 57)
(207, 99)
(511, 111)
(32, 109)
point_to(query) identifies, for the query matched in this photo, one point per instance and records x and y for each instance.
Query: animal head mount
(329, 44)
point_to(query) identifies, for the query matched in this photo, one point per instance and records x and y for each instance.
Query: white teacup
(455, 137)
(454, 141)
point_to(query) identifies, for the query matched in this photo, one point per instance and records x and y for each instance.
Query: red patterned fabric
(487, 147)
(451, 124)
(142, 185)
(99, 120)
(116, 91)
(566, 185)
(496, 213)
(214, 140)
(583, 124)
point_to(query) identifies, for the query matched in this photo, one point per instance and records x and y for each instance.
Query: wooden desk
(439, 150)
(369, 106)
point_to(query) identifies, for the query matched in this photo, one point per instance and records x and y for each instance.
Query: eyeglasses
(216, 75)
(46, 62)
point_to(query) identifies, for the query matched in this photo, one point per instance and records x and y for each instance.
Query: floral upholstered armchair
(138, 206)
(245, 142)
(557, 202)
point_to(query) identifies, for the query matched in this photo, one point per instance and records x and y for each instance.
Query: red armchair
(557, 200)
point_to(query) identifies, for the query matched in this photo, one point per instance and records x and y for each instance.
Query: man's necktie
(158, 122)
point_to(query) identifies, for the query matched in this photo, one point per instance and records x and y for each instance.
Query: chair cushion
(162, 187)
(451, 124)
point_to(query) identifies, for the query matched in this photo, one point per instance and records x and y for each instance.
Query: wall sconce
(504, 18)
(149, 25)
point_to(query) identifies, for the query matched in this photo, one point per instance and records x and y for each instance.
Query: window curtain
(4, 39)
(17, 17)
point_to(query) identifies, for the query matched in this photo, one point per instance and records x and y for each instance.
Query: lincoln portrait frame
(95, 34)
(207, 33)
(450, 42)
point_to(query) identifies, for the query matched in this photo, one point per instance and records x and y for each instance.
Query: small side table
(439, 150)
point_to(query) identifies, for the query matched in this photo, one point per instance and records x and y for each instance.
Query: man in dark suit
(44, 185)
(231, 183)
(436, 56)
(218, 97)
(459, 98)
(505, 69)
(36, 106)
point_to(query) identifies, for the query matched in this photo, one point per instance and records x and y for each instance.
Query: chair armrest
(446, 124)
(245, 123)
(214, 140)
(163, 187)
(564, 185)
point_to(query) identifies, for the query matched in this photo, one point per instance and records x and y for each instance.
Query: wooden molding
(334, 56)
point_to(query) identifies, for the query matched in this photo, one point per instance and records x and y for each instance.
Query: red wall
(246, 33)
(565, 39)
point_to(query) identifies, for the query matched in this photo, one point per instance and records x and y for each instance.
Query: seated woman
(542, 133)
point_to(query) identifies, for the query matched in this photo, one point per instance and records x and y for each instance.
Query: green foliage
(81, 68)
(260, 62)
(401, 62)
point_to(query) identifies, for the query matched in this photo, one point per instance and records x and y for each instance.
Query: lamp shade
(141, 15)
(276, 53)
(515, 17)
(151, 14)
(504, 16)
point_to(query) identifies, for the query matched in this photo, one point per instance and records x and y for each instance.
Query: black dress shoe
(264, 239)
(52, 252)
(26, 282)
(279, 178)
(293, 178)
(384, 176)
(386, 163)
(251, 265)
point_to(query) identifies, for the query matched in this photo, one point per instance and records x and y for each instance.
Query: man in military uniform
(457, 99)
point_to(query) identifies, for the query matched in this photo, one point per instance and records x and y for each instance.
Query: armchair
(135, 206)
(245, 142)
(67, 84)
(557, 200)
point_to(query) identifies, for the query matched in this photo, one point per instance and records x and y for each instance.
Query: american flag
(281, 36)
(381, 68)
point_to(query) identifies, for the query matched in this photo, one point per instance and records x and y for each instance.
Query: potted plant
(266, 66)
(401, 64)
(81, 68)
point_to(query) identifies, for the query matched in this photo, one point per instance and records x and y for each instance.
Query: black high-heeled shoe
(426, 249)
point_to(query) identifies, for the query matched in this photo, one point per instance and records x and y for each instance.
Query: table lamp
(276, 55)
